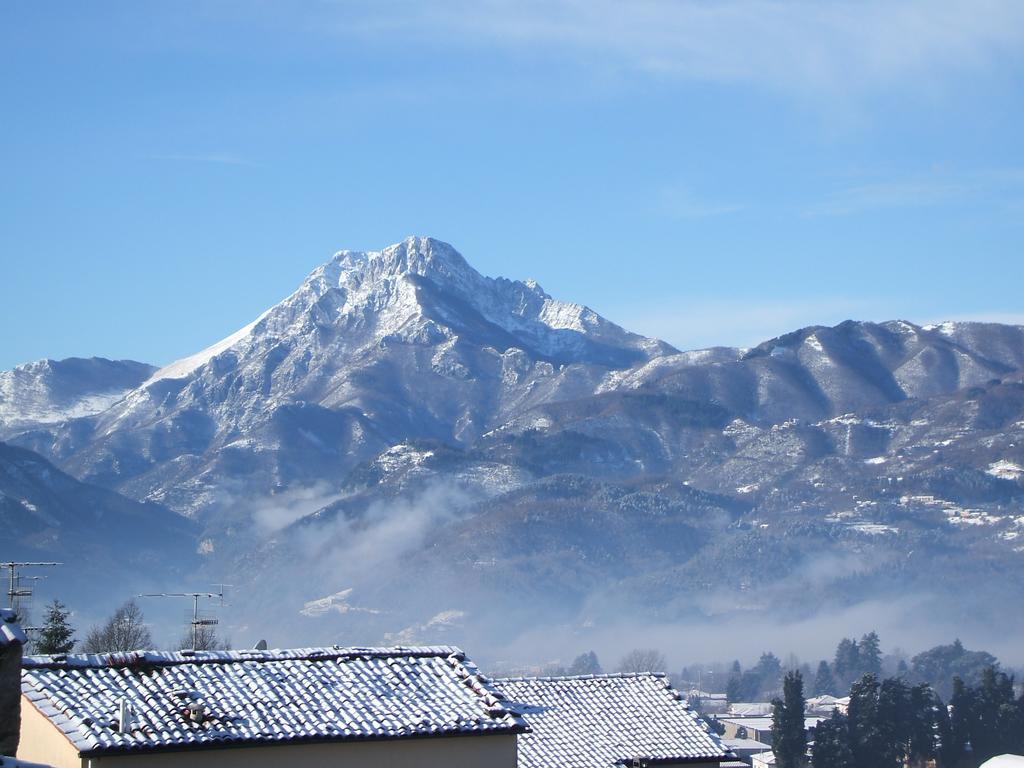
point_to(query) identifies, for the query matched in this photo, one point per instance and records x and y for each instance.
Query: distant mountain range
(404, 449)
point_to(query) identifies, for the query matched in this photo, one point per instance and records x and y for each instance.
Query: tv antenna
(197, 621)
(15, 591)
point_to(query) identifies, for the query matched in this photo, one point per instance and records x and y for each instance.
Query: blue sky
(706, 172)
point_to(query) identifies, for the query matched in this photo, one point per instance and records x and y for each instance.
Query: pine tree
(866, 741)
(789, 738)
(924, 724)
(869, 655)
(832, 743)
(769, 672)
(824, 683)
(993, 715)
(56, 635)
(733, 688)
(893, 723)
(954, 726)
(847, 662)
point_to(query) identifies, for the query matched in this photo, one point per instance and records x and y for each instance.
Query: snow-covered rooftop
(13, 762)
(1004, 761)
(10, 630)
(599, 721)
(253, 697)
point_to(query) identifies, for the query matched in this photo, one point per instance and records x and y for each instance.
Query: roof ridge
(603, 676)
(143, 658)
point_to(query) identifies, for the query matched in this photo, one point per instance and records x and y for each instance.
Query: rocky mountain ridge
(401, 430)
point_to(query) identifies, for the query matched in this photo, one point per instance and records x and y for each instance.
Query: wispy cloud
(214, 158)
(926, 191)
(681, 203)
(889, 194)
(803, 45)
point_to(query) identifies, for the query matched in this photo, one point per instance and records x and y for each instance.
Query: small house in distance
(607, 721)
(401, 707)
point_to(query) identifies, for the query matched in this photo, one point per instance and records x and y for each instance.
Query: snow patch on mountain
(1005, 470)
(49, 392)
(180, 369)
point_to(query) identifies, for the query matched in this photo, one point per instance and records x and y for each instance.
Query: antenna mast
(197, 621)
(14, 589)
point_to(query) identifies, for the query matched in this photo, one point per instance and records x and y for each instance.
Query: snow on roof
(1004, 761)
(254, 697)
(753, 744)
(765, 723)
(750, 708)
(13, 762)
(10, 631)
(598, 721)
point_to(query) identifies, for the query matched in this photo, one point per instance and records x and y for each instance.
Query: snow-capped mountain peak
(422, 286)
(373, 348)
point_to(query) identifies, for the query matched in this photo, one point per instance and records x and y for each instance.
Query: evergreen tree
(892, 725)
(751, 686)
(954, 726)
(847, 662)
(585, 664)
(939, 665)
(866, 741)
(56, 635)
(824, 683)
(924, 724)
(832, 743)
(869, 655)
(733, 690)
(993, 716)
(789, 738)
(769, 672)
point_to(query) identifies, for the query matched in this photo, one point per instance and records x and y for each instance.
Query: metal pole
(195, 621)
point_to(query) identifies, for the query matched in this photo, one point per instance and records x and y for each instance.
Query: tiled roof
(10, 631)
(252, 697)
(599, 721)
(13, 762)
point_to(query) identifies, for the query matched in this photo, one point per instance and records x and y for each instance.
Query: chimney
(12, 642)
(124, 721)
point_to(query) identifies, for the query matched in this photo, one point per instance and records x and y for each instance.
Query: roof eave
(511, 730)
